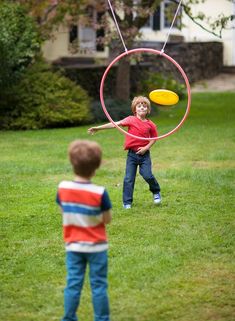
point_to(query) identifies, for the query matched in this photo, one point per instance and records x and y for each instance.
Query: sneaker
(127, 206)
(157, 198)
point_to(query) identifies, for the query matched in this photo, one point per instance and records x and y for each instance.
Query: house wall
(58, 47)
(213, 9)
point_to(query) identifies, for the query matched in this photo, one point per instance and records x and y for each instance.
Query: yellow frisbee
(164, 97)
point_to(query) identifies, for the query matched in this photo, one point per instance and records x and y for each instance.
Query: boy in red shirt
(138, 149)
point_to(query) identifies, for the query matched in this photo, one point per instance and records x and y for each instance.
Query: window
(84, 36)
(86, 32)
(168, 11)
(163, 16)
(87, 38)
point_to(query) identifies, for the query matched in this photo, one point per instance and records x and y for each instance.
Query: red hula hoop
(156, 52)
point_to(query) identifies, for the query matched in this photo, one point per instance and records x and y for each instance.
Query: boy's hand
(92, 130)
(142, 150)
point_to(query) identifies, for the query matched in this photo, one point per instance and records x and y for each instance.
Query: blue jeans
(145, 170)
(76, 263)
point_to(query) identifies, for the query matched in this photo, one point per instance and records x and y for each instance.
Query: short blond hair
(140, 99)
(85, 157)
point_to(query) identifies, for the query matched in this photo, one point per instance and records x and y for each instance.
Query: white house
(155, 30)
(214, 9)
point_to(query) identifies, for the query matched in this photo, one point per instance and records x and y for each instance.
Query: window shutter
(100, 33)
(73, 33)
(156, 19)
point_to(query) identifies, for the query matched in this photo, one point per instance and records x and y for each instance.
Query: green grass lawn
(174, 262)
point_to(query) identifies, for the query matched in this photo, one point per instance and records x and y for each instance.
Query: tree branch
(194, 19)
(48, 11)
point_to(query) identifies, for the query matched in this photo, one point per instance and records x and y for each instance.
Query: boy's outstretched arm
(93, 130)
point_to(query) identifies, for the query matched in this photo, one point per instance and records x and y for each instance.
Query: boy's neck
(82, 179)
(141, 118)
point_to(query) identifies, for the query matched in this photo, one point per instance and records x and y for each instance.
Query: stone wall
(199, 60)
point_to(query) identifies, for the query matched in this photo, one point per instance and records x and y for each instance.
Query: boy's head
(138, 100)
(85, 157)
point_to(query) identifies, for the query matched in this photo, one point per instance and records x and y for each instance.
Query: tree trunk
(122, 90)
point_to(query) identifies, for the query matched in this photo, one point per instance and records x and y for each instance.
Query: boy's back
(82, 206)
(86, 209)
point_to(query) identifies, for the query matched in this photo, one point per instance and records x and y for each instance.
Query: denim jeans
(76, 263)
(145, 169)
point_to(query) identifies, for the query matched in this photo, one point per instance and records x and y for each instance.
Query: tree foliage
(19, 42)
(49, 14)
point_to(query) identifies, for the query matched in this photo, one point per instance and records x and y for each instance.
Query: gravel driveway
(222, 82)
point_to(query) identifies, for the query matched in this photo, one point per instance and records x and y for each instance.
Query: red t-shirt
(139, 128)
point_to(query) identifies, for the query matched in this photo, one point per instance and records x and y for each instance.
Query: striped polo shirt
(82, 206)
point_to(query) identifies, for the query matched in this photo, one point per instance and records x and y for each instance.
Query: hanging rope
(118, 29)
(168, 34)
(172, 24)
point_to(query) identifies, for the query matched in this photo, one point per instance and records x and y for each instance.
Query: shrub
(117, 110)
(153, 81)
(46, 99)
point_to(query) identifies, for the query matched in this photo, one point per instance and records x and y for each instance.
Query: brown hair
(140, 99)
(85, 157)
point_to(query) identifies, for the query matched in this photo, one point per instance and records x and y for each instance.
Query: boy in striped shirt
(86, 209)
